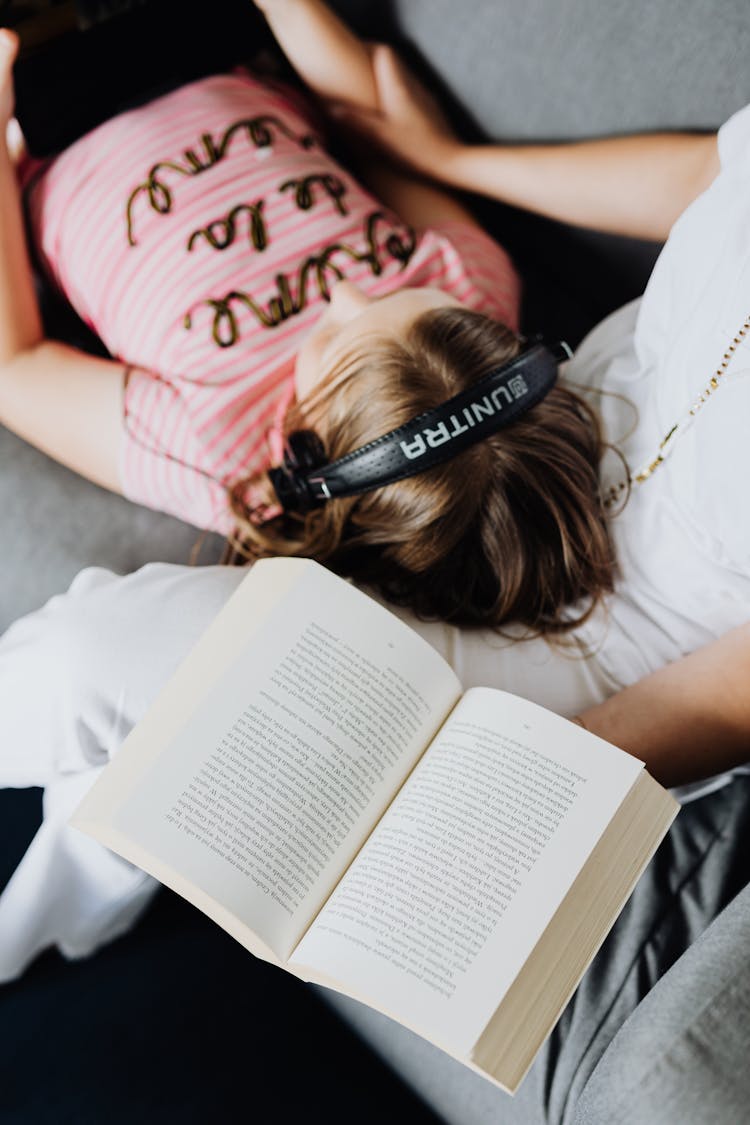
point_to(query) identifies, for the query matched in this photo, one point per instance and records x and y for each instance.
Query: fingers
(408, 125)
(404, 98)
(395, 94)
(392, 80)
(388, 67)
(8, 51)
(14, 141)
(368, 124)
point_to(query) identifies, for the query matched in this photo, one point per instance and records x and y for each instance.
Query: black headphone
(304, 480)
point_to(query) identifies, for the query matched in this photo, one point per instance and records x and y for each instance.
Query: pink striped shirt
(198, 235)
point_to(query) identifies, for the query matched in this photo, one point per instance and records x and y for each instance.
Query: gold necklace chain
(613, 493)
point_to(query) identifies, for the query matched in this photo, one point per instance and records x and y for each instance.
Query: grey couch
(658, 1032)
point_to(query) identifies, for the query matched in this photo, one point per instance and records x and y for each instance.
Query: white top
(683, 539)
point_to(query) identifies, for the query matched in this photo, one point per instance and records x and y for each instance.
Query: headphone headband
(433, 437)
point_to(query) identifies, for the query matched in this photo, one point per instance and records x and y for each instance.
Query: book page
(445, 902)
(263, 797)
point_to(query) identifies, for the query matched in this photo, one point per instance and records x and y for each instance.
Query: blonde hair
(510, 530)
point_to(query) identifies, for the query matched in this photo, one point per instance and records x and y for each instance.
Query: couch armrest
(682, 1055)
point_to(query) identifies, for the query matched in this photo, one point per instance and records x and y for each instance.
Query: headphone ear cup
(304, 450)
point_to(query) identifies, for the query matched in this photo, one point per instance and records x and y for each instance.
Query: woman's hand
(8, 52)
(329, 58)
(636, 186)
(409, 126)
(9, 127)
(273, 7)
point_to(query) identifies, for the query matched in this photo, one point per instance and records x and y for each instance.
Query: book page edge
(643, 818)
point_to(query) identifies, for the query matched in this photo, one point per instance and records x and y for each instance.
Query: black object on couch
(177, 1024)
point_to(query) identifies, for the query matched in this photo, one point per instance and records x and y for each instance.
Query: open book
(314, 778)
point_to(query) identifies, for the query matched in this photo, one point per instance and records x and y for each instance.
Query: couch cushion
(682, 1055)
(54, 523)
(565, 69)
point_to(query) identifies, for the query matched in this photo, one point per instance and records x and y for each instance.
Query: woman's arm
(66, 402)
(339, 68)
(20, 322)
(328, 57)
(690, 719)
(636, 186)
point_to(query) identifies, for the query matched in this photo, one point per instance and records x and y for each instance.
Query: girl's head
(511, 529)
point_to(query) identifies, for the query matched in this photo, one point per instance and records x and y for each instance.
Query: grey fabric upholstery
(698, 1015)
(565, 69)
(54, 523)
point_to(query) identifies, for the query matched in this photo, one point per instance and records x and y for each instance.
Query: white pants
(75, 677)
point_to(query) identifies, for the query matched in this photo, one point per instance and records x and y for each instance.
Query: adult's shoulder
(733, 138)
(610, 339)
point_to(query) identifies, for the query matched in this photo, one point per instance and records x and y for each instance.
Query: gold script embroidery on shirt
(289, 300)
(194, 161)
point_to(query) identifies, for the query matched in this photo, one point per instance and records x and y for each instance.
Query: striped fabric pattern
(199, 235)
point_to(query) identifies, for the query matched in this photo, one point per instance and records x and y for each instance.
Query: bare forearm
(329, 58)
(636, 186)
(420, 203)
(689, 720)
(20, 322)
